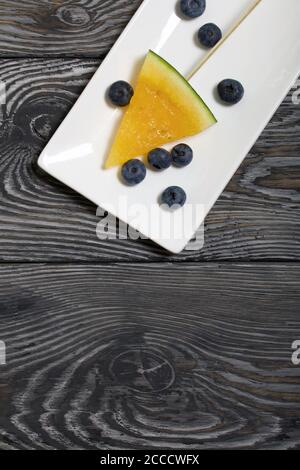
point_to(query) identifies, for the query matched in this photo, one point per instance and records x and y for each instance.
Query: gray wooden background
(116, 344)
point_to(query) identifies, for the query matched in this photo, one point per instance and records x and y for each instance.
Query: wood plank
(257, 217)
(150, 356)
(58, 28)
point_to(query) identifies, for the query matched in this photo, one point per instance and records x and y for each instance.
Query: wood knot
(41, 126)
(73, 15)
(142, 370)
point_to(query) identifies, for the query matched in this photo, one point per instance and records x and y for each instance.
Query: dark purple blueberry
(182, 155)
(134, 172)
(231, 91)
(193, 8)
(173, 196)
(160, 159)
(120, 93)
(209, 35)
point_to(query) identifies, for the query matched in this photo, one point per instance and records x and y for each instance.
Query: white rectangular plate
(263, 53)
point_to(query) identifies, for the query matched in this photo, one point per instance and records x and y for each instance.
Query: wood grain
(62, 28)
(150, 356)
(257, 216)
(141, 356)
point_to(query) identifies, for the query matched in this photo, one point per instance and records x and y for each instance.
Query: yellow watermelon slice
(164, 108)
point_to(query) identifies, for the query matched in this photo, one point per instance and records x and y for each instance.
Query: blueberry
(231, 91)
(159, 159)
(182, 155)
(193, 8)
(174, 196)
(133, 172)
(209, 35)
(120, 93)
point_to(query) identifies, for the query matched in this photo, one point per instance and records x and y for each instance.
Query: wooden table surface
(116, 344)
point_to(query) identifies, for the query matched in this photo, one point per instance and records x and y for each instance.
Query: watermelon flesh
(164, 109)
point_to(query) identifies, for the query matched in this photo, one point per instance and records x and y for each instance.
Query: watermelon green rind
(210, 115)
